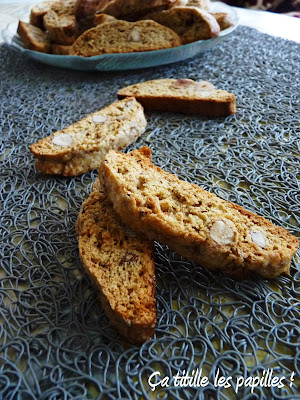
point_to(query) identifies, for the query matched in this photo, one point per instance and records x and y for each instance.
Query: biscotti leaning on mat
(122, 266)
(182, 95)
(125, 37)
(191, 221)
(82, 146)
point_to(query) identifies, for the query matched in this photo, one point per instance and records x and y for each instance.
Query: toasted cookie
(182, 95)
(193, 222)
(82, 146)
(121, 265)
(124, 37)
(190, 23)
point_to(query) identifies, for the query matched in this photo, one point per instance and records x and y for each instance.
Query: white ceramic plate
(125, 61)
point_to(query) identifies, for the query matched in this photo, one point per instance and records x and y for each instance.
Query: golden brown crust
(102, 18)
(38, 12)
(61, 29)
(181, 95)
(121, 265)
(33, 38)
(88, 8)
(125, 37)
(190, 23)
(197, 224)
(132, 10)
(82, 146)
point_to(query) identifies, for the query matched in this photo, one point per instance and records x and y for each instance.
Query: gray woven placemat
(56, 342)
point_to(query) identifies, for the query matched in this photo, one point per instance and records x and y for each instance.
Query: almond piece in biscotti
(182, 95)
(134, 35)
(259, 239)
(63, 139)
(195, 223)
(81, 146)
(221, 233)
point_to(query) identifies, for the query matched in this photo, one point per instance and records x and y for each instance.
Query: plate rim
(10, 39)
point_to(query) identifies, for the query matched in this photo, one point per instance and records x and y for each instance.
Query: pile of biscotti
(134, 203)
(93, 27)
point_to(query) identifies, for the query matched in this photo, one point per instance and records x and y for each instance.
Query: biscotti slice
(124, 37)
(33, 38)
(193, 222)
(61, 29)
(85, 11)
(190, 23)
(38, 12)
(223, 19)
(131, 10)
(60, 22)
(182, 95)
(122, 266)
(82, 146)
(100, 18)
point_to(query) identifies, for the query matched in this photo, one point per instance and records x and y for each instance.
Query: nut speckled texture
(182, 95)
(207, 318)
(152, 36)
(190, 23)
(121, 265)
(81, 146)
(181, 215)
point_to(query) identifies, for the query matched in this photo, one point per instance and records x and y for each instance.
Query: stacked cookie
(121, 264)
(193, 222)
(93, 27)
(134, 203)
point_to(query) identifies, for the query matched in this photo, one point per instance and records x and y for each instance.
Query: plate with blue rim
(126, 61)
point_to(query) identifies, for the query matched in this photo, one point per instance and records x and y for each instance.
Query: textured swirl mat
(56, 342)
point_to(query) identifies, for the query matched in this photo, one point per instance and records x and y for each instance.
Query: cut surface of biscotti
(61, 29)
(121, 265)
(193, 222)
(33, 38)
(134, 9)
(85, 11)
(81, 146)
(38, 12)
(124, 37)
(60, 22)
(182, 95)
(190, 23)
(100, 18)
